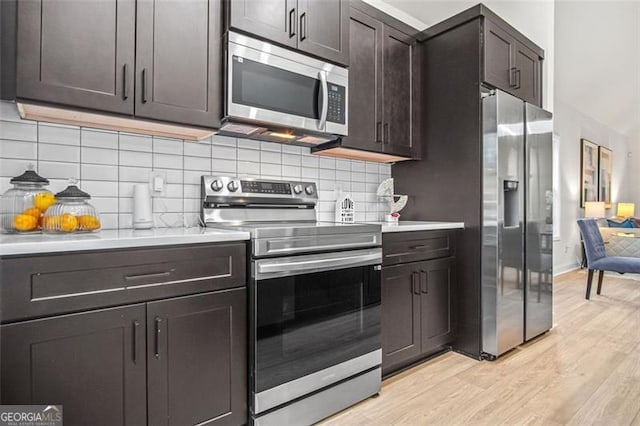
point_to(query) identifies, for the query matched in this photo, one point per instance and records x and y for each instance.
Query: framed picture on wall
(588, 172)
(604, 175)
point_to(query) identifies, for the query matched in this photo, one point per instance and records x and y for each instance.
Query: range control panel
(220, 187)
(337, 103)
(263, 187)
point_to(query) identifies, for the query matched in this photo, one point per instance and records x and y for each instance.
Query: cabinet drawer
(404, 247)
(47, 285)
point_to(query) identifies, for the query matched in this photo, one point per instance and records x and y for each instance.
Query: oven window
(307, 323)
(267, 87)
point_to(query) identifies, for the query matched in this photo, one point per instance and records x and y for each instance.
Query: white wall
(570, 125)
(597, 98)
(533, 18)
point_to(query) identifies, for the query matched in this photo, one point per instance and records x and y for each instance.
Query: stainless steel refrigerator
(517, 202)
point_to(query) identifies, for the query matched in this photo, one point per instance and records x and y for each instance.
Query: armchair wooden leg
(589, 281)
(600, 277)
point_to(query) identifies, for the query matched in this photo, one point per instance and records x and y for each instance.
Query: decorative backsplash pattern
(108, 164)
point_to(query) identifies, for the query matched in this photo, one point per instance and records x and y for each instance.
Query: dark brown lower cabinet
(171, 362)
(92, 363)
(196, 357)
(417, 318)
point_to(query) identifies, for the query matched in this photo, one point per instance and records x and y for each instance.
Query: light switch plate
(158, 183)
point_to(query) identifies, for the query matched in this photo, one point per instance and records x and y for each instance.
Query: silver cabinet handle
(136, 325)
(152, 275)
(157, 337)
(325, 100)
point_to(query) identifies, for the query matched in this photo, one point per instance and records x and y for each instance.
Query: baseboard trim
(565, 268)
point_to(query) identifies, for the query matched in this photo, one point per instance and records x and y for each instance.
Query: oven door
(315, 321)
(268, 84)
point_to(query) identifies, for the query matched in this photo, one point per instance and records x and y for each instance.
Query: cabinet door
(197, 360)
(398, 92)
(499, 62)
(179, 71)
(400, 315)
(528, 75)
(93, 363)
(436, 286)
(274, 20)
(77, 53)
(365, 83)
(324, 29)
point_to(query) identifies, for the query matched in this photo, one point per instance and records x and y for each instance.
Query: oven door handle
(324, 107)
(298, 265)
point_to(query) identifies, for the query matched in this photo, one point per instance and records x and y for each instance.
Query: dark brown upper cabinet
(323, 27)
(93, 362)
(510, 65)
(365, 82)
(274, 20)
(398, 92)
(499, 52)
(383, 86)
(77, 53)
(317, 27)
(528, 75)
(508, 60)
(179, 61)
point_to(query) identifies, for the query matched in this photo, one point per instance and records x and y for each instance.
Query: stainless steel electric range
(314, 299)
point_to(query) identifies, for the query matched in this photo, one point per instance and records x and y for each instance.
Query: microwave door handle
(324, 99)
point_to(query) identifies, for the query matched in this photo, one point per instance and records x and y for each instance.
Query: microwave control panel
(337, 104)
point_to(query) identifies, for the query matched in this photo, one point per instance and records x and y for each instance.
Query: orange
(89, 223)
(33, 211)
(68, 222)
(43, 200)
(24, 222)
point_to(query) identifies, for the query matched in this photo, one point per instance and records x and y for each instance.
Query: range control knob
(309, 190)
(216, 185)
(297, 189)
(232, 186)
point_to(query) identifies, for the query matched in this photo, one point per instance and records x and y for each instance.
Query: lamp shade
(594, 209)
(626, 209)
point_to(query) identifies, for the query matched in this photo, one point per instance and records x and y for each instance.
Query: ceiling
(594, 47)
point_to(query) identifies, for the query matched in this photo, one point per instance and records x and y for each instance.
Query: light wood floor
(586, 370)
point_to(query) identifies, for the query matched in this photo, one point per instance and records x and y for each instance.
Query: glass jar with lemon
(72, 213)
(22, 206)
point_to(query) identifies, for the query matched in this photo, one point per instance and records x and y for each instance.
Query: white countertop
(12, 244)
(409, 225)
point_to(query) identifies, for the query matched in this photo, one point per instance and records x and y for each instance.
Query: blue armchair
(597, 259)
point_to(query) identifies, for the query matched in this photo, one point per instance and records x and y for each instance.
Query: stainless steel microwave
(272, 91)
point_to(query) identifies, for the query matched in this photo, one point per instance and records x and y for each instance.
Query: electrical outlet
(158, 183)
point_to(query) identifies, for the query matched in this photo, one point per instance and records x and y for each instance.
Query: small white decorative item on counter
(23, 205)
(72, 213)
(345, 209)
(385, 190)
(393, 217)
(142, 217)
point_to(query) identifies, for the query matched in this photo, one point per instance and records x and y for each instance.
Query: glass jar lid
(72, 192)
(30, 176)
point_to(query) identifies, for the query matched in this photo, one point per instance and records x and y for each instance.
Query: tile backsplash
(107, 165)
